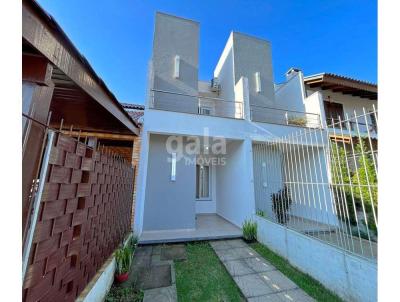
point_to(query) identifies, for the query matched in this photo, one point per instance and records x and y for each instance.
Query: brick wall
(135, 163)
(84, 215)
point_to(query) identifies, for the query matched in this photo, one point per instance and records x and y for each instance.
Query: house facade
(345, 98)
(202, 142)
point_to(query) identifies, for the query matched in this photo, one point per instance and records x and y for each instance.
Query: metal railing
(360, 121)
(284, 117)
(323, 187)
(185, 103)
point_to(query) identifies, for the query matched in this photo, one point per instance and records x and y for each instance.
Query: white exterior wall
(268, 176)
(351, 277)
(290, 95)
(252, 55)
(276, 166)
(312, 199)
(313, 104)
(235, 193)
(350, 103)
(224, 71)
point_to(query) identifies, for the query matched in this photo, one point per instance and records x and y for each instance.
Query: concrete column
(242, 96)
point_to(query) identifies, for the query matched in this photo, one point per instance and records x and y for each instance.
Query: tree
(340, 180)
(365, 182)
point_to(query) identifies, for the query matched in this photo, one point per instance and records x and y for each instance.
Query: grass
(304, 281)
(202, 277)
(121, 294)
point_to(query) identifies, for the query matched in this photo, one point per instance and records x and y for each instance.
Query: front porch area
(208, 227)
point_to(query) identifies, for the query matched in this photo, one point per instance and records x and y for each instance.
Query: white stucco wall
(303, 170)
(350, 103)
(253, 55)
(311, 195)
(351, 277)
(235, 194)
(174, 36)
(224, 71)
(290, 95)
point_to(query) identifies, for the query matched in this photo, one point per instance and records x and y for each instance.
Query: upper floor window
(332, 113)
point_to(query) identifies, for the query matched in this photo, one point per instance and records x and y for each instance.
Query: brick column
(135, 164)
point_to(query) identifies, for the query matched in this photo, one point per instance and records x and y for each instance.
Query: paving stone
(220, 245)
(156, 250)
(144, 250)
(267, 298)
(252, 285)
(266, 283)
(234, 254)
(163, 294)
(277, 281)
(173, 252)
(154, 277)
(259, 265)
(140, 261)
(295, 295)
(237, 243)
(238, 267)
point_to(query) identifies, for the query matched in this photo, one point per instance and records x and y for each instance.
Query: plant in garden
(123, 258)
(298, 121)
(249, 230)
(124, 294)
(281, 202)
(358, 185)
(366, 182)
(260, 213)
(340, 182)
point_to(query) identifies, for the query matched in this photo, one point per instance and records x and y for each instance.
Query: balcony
(284, 117)
(353, 126)
(202, 105)
(179, 102)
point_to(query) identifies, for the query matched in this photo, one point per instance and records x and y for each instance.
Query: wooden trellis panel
(84, 215)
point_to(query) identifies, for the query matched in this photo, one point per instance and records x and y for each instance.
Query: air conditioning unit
(215, 86)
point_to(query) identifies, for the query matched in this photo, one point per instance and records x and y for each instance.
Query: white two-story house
(203, 166)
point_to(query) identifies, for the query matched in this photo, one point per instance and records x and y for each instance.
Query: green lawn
(304, 281)
(202, 277)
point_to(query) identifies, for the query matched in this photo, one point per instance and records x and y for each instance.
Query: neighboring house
(345, 98)
(76, 188)
(202, 143)
(136, 112)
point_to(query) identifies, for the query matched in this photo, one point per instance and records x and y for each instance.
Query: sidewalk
(257, 279)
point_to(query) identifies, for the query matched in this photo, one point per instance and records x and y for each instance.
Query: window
(203, 182)
(205, 110)
(332, 112)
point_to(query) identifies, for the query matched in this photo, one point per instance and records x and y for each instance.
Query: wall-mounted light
(177, 63)
(258, 82)
(173, 166)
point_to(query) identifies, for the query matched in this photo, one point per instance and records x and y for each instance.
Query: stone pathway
(258, 279)
(154, 273)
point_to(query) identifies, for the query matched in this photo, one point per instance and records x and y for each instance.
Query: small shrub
(281, 202)
(133, 242)
(298, 121)
(249, 230)
(260, 213)
(123, 258)
(121, 294)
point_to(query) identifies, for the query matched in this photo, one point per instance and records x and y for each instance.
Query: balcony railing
(284, 117)
(353, 126)
(180, 102)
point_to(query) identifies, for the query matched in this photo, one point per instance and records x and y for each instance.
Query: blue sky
(338, 36)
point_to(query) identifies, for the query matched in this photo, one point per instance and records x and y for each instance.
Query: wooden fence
(84, 214)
